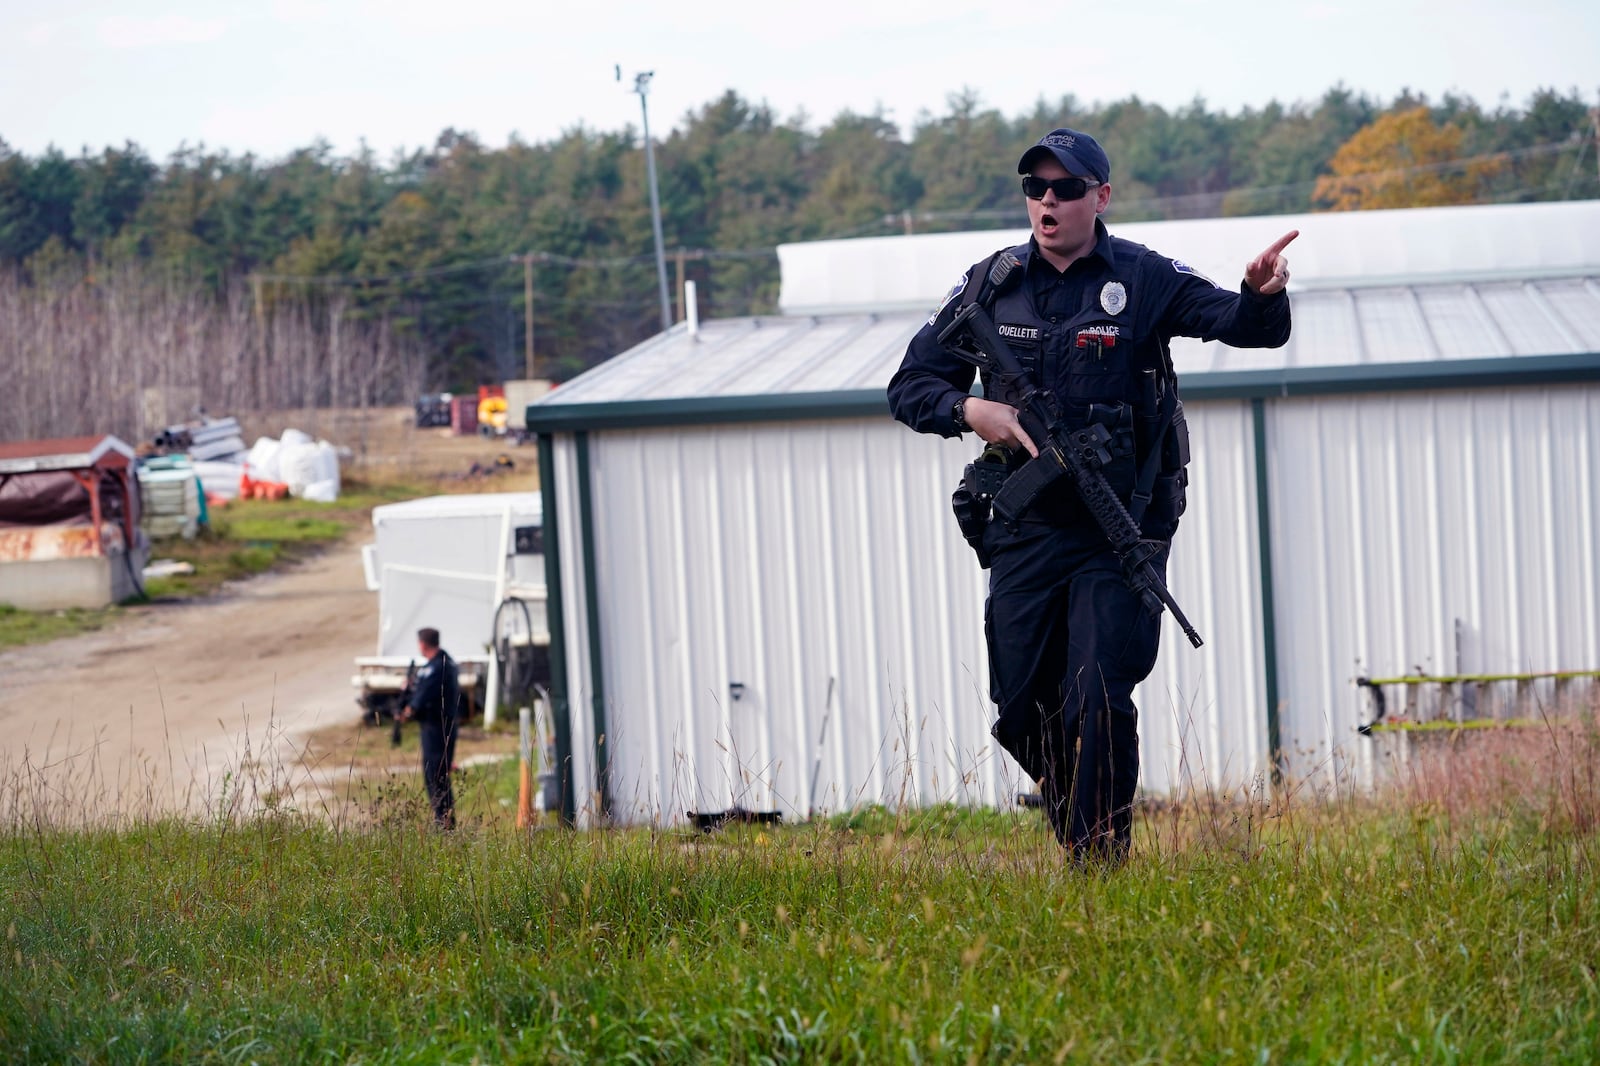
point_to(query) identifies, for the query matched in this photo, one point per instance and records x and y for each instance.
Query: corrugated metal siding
(809, 564)
(815, 563)
(817, 566)
(1202, 714)
(1396, 516)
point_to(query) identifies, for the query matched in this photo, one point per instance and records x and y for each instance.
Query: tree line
(328, 279)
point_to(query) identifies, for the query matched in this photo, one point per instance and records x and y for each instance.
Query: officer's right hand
(997, 423)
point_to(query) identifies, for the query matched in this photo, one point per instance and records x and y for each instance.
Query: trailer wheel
(513, 640)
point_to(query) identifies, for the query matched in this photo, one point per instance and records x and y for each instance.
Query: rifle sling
(982, 292)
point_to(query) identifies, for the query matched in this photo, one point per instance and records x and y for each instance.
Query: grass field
(1452, 918)
(34, 627)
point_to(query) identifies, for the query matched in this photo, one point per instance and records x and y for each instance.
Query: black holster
(972, 499)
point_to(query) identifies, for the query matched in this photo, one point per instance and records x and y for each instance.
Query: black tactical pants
(1068, 641)
(438, 754)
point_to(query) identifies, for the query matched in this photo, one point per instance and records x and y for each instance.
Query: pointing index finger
(1281, 243)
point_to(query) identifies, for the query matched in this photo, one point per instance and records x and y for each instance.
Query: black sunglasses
(1064, 188)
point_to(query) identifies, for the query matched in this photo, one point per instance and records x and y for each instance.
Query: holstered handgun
(973, 499)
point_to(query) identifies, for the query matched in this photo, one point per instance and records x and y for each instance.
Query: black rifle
(1078, 454)
(405, 704)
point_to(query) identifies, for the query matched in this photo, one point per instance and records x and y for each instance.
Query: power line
(543, 258)
(380, 279)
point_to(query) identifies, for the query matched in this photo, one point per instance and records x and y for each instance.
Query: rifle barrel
(1177, 612)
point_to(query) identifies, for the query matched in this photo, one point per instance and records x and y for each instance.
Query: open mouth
(1047, 223)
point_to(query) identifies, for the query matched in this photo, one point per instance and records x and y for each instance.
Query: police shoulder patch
(1184, 268)
(955, 291)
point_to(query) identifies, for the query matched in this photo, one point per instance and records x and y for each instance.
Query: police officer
(435, 704)
(1090, 317)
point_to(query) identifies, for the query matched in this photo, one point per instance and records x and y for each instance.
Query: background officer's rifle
(1078, 454)
(401, 711)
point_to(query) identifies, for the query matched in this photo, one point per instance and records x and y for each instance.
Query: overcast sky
(273, 75)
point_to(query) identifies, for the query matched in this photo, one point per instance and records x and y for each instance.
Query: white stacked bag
(310, 468)
(219, 478)
(261, 463)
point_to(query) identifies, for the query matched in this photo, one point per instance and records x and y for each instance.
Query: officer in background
(1090, 316)
(435, 704)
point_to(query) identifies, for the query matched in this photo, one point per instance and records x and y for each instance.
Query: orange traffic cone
(525, 772)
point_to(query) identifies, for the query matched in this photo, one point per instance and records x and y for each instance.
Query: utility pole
(641, 85)
(527, 316)
(260, 374)
(677, 292)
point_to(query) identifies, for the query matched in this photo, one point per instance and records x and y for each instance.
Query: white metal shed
(761, 599)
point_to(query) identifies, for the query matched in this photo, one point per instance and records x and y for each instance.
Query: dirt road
(164, 710)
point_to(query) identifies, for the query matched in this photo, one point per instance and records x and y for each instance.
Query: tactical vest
(1096, 364)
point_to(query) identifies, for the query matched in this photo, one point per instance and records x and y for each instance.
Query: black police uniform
(1068, 640)
(436, 705)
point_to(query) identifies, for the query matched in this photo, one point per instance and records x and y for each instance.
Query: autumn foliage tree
(1404, 159)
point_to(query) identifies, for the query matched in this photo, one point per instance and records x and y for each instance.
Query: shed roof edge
(1206, 385)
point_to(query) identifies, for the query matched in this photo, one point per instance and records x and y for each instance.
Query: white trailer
(472, 567)
(519, 394)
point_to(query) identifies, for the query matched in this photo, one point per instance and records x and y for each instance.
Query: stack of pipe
(171, 440)
(217, 440)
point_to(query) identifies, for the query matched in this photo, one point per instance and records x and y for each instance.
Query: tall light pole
(641, 85)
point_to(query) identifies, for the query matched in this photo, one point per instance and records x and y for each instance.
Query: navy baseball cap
(1080, 153)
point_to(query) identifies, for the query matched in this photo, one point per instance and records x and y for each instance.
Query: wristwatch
(958, 413)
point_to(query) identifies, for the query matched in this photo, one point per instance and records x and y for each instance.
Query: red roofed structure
(69, 523)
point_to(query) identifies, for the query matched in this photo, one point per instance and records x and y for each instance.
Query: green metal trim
(591, 602)
(1392, 377)
(555, 616)
(1213, 385)
(1269, 614)
(706, 410)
